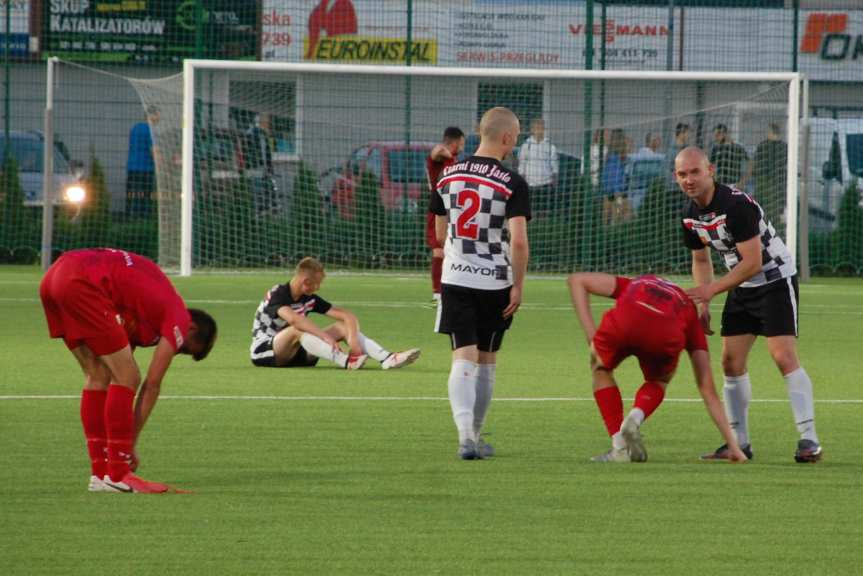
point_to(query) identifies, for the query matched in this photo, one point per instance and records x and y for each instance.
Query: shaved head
(694, 174)
(496, 122)
(692, 154)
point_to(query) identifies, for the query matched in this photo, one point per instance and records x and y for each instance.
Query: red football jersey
(663, 299)
(434, 168)
(144, 297)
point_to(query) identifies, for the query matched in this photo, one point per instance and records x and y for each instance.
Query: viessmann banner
(488, 33)
(147, 30)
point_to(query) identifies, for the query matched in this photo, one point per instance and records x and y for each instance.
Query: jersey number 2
(469, 202)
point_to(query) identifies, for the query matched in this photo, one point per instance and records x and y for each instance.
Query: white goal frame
(191, 66)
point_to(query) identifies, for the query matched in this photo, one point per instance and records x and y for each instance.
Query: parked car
(221, 161)
(27, 148)
(398, 168)
(835, 160)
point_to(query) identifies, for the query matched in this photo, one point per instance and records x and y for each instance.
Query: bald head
(692, 154)
(498, 132)
(694, 174)
(496, 122)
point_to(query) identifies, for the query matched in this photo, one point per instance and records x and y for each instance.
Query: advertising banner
(19, 27)
(480, 33)
(149, 30)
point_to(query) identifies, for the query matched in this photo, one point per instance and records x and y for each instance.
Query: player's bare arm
(702, 274)
(581, 286)
(519, 253)
(352, 327)
(440, 225)
(152, 385)
(303, 324)
(700, 360)
(749, 266)
(440, 152)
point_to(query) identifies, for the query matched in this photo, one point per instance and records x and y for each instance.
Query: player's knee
(786, 360)
(733, 365)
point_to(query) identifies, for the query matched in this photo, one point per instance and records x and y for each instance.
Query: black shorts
(262, 355)
(769, 310)
(473, 317)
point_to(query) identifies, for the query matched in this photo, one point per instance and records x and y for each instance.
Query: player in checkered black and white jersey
(481, 209)
(762, 294)
(283, 336)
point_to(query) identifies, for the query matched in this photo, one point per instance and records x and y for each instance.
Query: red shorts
(80, 311)
(431, 236)
(656, 345)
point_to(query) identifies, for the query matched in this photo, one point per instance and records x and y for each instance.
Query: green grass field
(320, 471)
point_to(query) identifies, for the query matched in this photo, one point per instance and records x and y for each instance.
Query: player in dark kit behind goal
(481, 209)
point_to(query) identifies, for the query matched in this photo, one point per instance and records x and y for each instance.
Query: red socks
(93, 420)
(436, 271)
(120, 425)
(649, 397)
(610, 407)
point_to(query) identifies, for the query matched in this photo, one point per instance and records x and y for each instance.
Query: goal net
(286, 160)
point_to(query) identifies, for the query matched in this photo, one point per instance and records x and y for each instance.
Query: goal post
(338, 123)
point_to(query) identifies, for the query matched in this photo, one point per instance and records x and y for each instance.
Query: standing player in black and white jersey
(481, 211)
(762, 295)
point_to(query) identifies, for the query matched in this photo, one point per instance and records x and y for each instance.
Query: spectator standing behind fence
(652, 147)
(539, 164)
(258, 163)
(615, 206)
(681, 141)
(769, 161)
(730, 159)
(141, 166)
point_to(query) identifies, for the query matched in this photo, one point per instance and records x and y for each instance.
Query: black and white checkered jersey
(478, 196)
(733, 217)
(267, 320)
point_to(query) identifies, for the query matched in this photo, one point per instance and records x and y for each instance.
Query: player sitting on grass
(104, 303)
(652, 320)
(283, 336)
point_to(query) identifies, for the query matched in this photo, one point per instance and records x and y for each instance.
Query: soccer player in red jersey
(653, 320)
(104, 303)
(441, 156)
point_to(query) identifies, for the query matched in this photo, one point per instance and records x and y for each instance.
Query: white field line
(844, 309)
(271, 398)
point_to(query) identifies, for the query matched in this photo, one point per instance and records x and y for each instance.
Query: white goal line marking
(244, 397)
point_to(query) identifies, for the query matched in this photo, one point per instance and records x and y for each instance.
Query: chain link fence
(104, 128)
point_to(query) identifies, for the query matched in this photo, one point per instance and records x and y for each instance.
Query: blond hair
(310, 266)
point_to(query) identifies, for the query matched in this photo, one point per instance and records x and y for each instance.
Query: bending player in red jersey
(441, 156)
(653, 320)
(104, 303)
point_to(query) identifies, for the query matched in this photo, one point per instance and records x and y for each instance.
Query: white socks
(484, 391)
(637, 414)
(372, 348)
(802, 403)
(738, 393)
(321, 349)
(462, 397)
